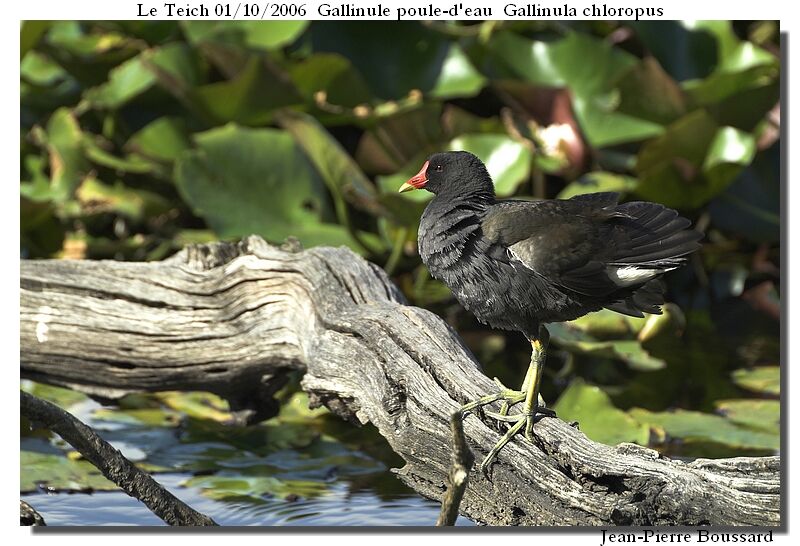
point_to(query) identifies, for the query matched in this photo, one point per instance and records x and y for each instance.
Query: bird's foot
(526, 418)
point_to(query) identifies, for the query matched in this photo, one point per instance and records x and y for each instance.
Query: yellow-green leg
(529, 394)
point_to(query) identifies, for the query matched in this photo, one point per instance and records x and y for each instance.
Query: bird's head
(456, 173)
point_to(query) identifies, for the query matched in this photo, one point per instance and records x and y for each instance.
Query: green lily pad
(228, 485)
(508, 161)
(59, 473)
(237, 179)
(296, 409)
(607, 324)
(694, 426)
(629, 351)
(597, 416)
(200, 405)
(764, 379)
(154, 417)
(64, 398)
(757, 414)
(265, 438)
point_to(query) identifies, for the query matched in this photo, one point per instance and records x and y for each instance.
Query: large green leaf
(244, 181)
(30, 33)
(729, 146)
(751, 205)
(125, 82)
(163, 139)
(599, 181)
(693, 161)
(590, 68)
(649, 93)
(73, 37)
(97, 197)
(63, 140)
(332, 74)
(415, 59)
(173, 65)
(44, 84)
(342, 175)
(98, 151)
(256, 34)
(394, 141)
(249, 98)
(597, 416)
(458, 78)
(685, 52)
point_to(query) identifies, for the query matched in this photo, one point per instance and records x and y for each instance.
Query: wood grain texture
(235, 318)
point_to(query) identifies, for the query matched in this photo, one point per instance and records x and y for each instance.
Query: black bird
(519, 264)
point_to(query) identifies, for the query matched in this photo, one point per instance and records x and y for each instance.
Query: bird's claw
(518, 421)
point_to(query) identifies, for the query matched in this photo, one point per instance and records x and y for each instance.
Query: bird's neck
(477, 198)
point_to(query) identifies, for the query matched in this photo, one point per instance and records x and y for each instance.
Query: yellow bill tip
(406, 187)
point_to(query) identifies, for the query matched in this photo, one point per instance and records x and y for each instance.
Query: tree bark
(235, 318)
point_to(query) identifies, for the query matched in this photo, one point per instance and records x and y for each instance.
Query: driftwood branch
(235, 318)
(114, 466)
(462, 461)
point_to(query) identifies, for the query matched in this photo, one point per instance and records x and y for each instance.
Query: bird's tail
(651, 240)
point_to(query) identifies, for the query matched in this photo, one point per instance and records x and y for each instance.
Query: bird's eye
(438, 168)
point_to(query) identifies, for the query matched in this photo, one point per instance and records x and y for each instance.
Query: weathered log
(235, 318)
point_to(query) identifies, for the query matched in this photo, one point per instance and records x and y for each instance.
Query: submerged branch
(111, 463)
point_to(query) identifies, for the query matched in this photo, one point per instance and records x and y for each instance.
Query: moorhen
(519, 264)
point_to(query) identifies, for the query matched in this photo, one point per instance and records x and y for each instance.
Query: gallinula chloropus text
(517, 265)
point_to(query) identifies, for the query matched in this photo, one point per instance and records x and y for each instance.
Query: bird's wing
(590, 244)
